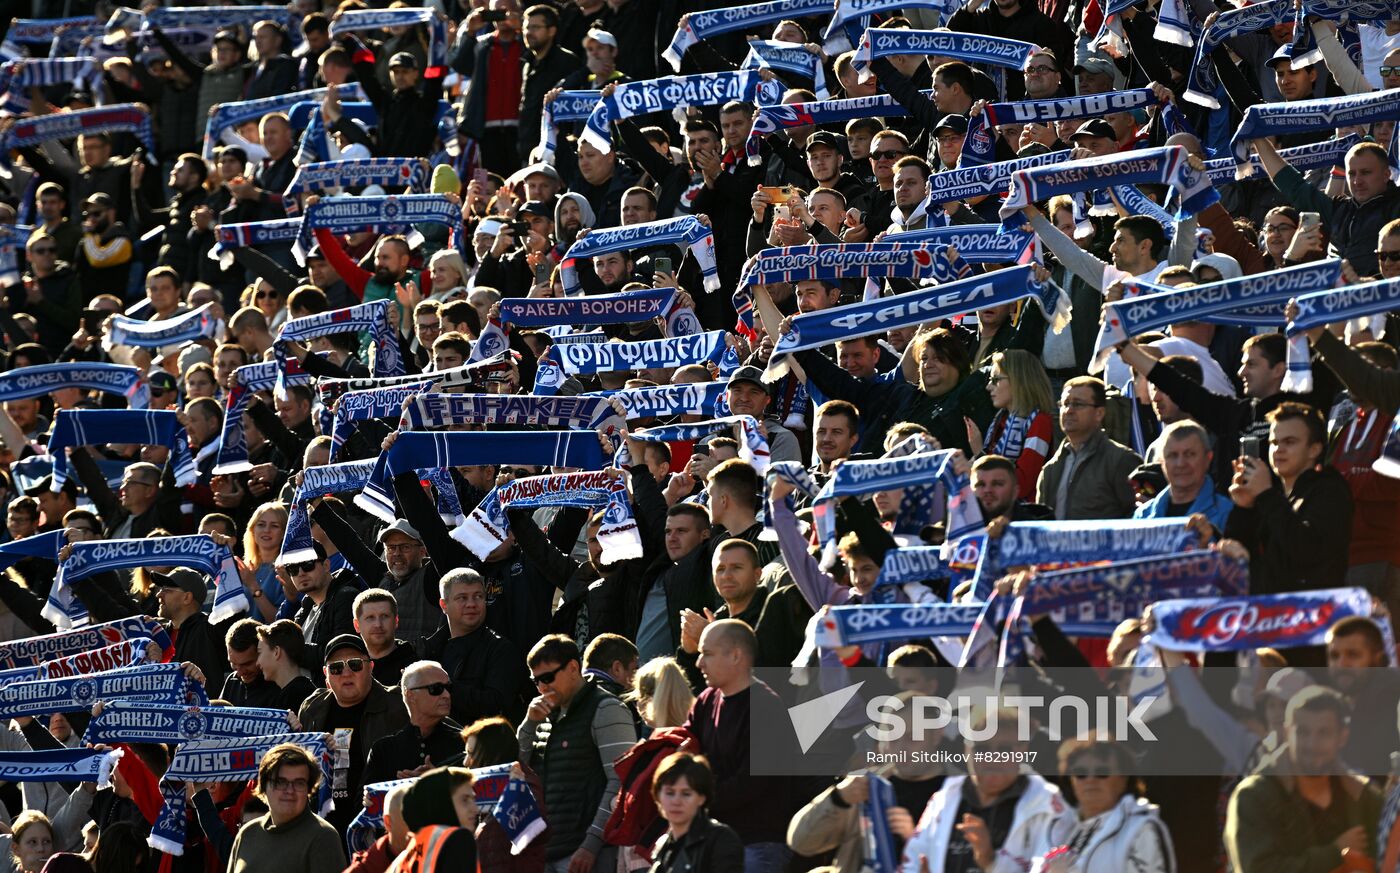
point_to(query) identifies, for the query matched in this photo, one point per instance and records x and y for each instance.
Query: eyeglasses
(1079, 404)
(401, 548)
(1280, 228)
(335, 668)
(1390, 71)
(1087, 773)
(888, 155)
(950, 137)
(435, 688)
(1388, 256)
(264, 295)
(547, 678)
(300, 786)
(1041, 70)
(43, 250)
(301, 567)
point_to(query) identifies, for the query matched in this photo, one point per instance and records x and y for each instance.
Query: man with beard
(676, 185)
(1357, 667)
(103, 262)
(546, 62)
(97, 172)
(187, 182)
(391, 266)
(997, 490)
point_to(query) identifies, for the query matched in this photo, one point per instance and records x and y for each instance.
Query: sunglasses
(1391, 257)
(1041, 70)
(435, 689)
(44, 250)
(547, 678)
(1390, 71)
(519, 472)
(888, 155)
(335, 668)
(301, 567)
(94, 213)
(264, 295)
(1088, 773)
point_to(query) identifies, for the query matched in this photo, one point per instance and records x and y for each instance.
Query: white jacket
(1129, 838)
(1042, 819)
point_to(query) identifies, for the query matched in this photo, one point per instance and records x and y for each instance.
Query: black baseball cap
(403, 59)
(185, 579)
(345, 641)
(1095, 127)
(748, 374)
(955, 123)
(823, 138)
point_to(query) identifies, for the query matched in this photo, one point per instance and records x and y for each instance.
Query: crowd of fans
(623, 693)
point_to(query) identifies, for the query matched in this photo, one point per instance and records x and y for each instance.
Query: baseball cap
(1095, 127)
(100, 200)
(1284, 53)
(1287, 682)
(748, 374)
(532, 169)
(345, 641)
(1101, 66)
(162, 380)
(227, 35)
(402, 526)
(955, 123)
(403, 59)
(185, 579)
(598, 35)
(823, 138)
(538, 207)
(45, 485)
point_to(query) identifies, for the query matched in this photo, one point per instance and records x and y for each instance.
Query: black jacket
(541, 74)
(1297, 542)
(199, 641)
(407, 749)
(335, 616)
(488, 676)
(407, 119)
(708, 847)
(164, 513)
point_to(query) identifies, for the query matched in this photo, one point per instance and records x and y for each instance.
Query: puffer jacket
(1129, 836)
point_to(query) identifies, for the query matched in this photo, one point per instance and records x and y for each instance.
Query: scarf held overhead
(156, 683)
(125, 721)
(1233, 624)
(197, 551)
(686, 232)
(40, 379)
(33, 651)
(196, 324)
(670, 93)
(1329, 307)
(487, 527)
(122, 118)
(390, 214)
(147, 427)
(1304, 116)
(316, 177)
(970, 48)
(695, 26)
(1161, 166)
(672, 352)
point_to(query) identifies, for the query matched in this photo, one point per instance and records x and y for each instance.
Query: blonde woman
(262, 542)
(662, 695)
(449, 276)
(1023, 426)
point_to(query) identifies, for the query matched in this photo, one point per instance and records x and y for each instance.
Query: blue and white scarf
(834, 261)
(1162, 166)
(1233, 624)
(196, 324)
(17, 77)
(368, 825)
(353, 406)
(790, 57)
(229, 115)
(41, 379)
(863, 623)
(671, 93)
(576, 358)
(1329, 307)
(880, 854)
(974, 243)
(1303, 116)
(971, 48)
(1063, 108)
(566, 106)
(210, 18)
(224, 760)
(297, 544)
(851, 18)
(1176, 24)
(1068, 542)
(753, 445)
(404, 172)
(706, 399)
(123, 721)
(497, 792)
(122, 117)
(519, 815)
(855, 478)
(814, 330)
(983, 179)
(42, 545)
(371, 318)
(377, 19)
(417, 450)
(1327, 153)
(33, 651)
(147, 427)
(1202, 82)
(247, 381)
(706, 25)
(467, 377)
(157, 683)
(1131, 198)
(13, 237)
(784, 116)
(249, 234)
(197, 551)
(623, 308)
(1131, 316)
(488, 526)
(60, 765)
(430, 410)
(393, 214)
(37, 31)
(912, 564)
(314, 146)
(686, 232)
(127, 653)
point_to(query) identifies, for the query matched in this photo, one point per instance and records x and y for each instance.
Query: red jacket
(635, 813)
(375, 859)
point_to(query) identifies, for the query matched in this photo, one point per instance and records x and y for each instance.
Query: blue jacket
(1210, 503)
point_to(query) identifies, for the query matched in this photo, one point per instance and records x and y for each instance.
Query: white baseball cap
(602, 36)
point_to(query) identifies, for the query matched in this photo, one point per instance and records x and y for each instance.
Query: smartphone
(1252, 446)
(542, 273)
(92, 320)
(1309, 220)
(663, 265)
(779, 193)
(482, 178)
(700, 449)
(520, 229)
(491, 16)
(782, 214)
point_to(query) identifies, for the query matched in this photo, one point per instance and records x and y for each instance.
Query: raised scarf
(686, 232)
(121, 118)
(705, 25)
(196, 324)
(41, 379)
(672, 93)
(147, 427)
(488, 526)
(405, 172)
(388, 214)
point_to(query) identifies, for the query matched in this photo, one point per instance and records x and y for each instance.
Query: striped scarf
(790, 57)
(229, 115)
(17, 77)
(247, 381)
(40, 379)
(146, 427)
(371, 318)
(566, 106)
(327, 479)
(12, 238)
(1202, 82)
(487, 526)
(687, 232)
(394, 214)
(123, 721)
(386, 402)
(156, 683)
(411, 174)
(178, 329)
(1329, 307)
(1301, 116)
(228, 237)
(122, 117)
(1008, 434)
(197, 551)
(674, 93)
(711, 23)
(668, 353)
(378, 19)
